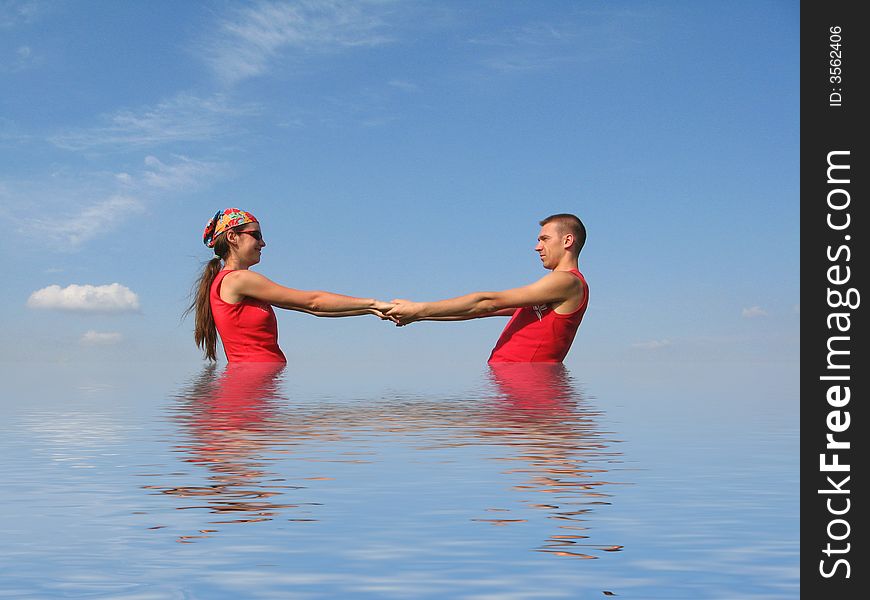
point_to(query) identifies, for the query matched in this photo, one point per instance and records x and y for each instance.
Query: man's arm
(553, 288)
(505, 312)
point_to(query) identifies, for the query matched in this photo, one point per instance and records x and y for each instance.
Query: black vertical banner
(834, 231)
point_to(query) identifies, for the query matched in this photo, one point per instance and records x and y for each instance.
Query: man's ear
(569, 240)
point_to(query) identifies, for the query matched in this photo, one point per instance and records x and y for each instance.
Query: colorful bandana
(223, 220)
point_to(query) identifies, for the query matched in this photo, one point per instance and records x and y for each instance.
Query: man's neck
(568, 263)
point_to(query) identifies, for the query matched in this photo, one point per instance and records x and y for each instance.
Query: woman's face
(249, 243)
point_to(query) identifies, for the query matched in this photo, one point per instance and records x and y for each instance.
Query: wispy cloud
(178, 173)
(543, 35)
(250, 39)
(543, 45)
(185, 173)
(91, 221)
(100, 338)
(753, 312)
(405, 86)
(68, 208)
(183, 118)
(14, 13)
(652, 344)
(11, 134)
(112, 298)
(527, 48)
(18, 60)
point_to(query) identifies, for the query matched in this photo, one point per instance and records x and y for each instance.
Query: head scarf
(223, 220)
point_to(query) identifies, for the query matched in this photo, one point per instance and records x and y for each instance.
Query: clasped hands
(399, 311)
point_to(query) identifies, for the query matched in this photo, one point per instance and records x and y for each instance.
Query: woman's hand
(405, 311)
(381, 309)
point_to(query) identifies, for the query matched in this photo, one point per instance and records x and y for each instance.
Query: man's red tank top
(538, 333)
(248, 329)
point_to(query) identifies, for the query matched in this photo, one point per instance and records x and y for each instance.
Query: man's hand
(405, 311)
(381, 309)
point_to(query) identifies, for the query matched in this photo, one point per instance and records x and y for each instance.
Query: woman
(236, 303)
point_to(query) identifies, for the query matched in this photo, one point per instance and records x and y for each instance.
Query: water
(189, 482)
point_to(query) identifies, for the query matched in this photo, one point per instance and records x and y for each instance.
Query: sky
(402, 149)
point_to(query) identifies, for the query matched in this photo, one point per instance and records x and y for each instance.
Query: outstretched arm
(346, 313)
(246, 283)
(505, 312)
(552, 288)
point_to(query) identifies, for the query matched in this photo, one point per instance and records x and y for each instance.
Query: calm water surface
(522, 482)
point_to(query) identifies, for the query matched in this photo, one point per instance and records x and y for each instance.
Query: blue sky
(402, 149)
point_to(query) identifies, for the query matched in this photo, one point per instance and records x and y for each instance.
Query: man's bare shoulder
(562, 279)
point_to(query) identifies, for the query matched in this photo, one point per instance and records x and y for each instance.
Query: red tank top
(248, 329)
(538, 333)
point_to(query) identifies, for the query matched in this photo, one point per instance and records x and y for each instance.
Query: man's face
(550, 245)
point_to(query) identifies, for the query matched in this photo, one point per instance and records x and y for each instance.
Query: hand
(404, 311)
(380, 310)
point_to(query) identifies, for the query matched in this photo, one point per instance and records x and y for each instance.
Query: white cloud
(528, 48)
(69, 208)
(251, 38)
(113, 298)
(182, 118)
(98, 338)
(90, 221)
(185, 173)
(753, 312)
(22, 58)
(527, 35)
(405, 86)
(652, 344)
(20, 12)
(10, 133)
(603, 36)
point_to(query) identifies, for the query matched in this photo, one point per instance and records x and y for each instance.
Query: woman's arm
(343, 313)
(245, 283)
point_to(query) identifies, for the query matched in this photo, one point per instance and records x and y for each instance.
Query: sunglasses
(254, 233)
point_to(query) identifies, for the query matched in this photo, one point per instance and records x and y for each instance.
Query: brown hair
(569, 223)
(205, 332)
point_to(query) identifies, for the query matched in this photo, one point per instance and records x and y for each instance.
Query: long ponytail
(205, 332)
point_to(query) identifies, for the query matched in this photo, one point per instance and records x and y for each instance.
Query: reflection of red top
(242, 398)
(538, 333)
(248, 329)
(533, 385)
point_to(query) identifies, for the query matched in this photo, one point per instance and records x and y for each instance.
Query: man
(545, 314)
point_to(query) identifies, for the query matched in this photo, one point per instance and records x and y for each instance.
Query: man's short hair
(569, 223)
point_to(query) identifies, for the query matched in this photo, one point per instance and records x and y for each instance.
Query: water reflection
(250, 438)
(231, 422)
(559, 449)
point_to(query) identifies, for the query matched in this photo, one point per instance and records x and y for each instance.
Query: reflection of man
(545, 314)
(545, 423)
(527, 389)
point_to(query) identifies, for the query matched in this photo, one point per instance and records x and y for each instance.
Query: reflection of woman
(231, 420)
(242, 397)
(236, 303)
